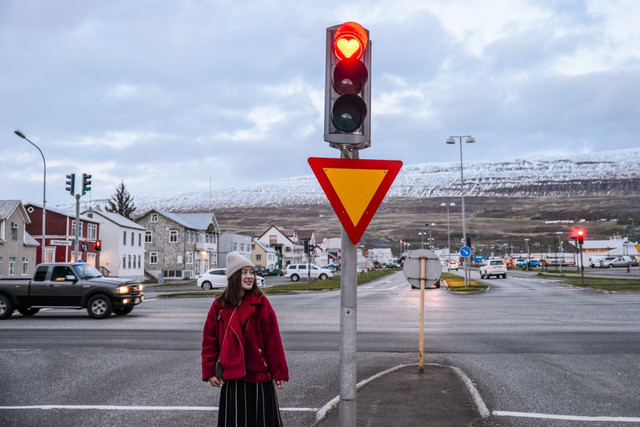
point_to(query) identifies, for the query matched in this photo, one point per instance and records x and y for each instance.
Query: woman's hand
(280, 384)
(215, 382)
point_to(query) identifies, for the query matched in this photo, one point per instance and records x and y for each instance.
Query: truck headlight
(123, 290)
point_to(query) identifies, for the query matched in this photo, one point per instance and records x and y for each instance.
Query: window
(189, 257)
(179, 259)
(129, 258)
(124, 237)
(154, 217)
(258, 257)
(92, 231)
(25, 266)
(0, 266)
(139, 261)
(12, 266)
(41, 274)
(133, 239)
(147, 236)
(73, 228)
(153, 257)
(124, 262)
(173, 236)
(14, 231)
(139, 239)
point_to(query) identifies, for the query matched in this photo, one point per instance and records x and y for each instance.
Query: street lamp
(526, 241)
(469, 140)
(448, 226)
(560, 257)
(433, 224)
(421, 234)
(44, 192)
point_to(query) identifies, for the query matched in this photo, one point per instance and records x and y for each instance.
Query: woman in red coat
(241, 340)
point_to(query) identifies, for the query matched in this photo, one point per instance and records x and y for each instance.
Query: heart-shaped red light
(350, 41)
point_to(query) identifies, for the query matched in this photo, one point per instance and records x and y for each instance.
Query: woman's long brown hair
(232, 294)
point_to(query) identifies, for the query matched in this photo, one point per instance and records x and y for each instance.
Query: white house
(285, 243)
(234, 243)
(122, 253)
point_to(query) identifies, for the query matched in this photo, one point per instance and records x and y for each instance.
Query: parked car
(618, 261)
(594, 261)
(275, 272)
(296, 272)
(261, 270)
(532, 263)
(493, 267)
(217, 278)
(453, 265)
(63, 285)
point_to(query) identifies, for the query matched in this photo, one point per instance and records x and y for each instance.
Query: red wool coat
(252, 349)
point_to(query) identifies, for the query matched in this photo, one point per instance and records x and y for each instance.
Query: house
(60, 238)
(18, 249)
(381, 256)
(285, 243)
(234, 243)
(263, 255)
(180, 245)
(122, 243)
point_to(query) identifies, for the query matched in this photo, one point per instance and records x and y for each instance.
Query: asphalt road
(534, 348)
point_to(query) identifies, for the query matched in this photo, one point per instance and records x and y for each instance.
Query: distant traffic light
(580, 236)
(98, 245)
(347, 107)
(71, 183)
(86, 183)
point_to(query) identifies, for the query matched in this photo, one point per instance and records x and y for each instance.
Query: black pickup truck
(65, 285)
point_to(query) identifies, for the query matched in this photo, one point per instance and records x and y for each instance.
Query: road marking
(138, 408)
(566, 417)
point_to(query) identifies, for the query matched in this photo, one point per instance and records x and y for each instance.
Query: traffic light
(98, 245)
(581, 236)
(71, 183)
(347, 111)
(86, 183)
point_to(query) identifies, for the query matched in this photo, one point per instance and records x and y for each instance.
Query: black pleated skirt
(246, 404)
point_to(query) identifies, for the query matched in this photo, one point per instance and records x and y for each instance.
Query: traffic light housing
(347, 107)
(98, 245)
(580, 235)
(71, 183)
(86, 183)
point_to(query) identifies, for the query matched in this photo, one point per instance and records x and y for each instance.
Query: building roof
(29, 240)
(114, 218)
(8, 206)
(195, 221)
(64, 213)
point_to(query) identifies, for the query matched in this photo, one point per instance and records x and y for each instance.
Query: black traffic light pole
(70, 187)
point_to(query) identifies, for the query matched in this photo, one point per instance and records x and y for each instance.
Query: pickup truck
(75, 285)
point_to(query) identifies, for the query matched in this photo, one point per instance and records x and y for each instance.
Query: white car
(493, 267)
(296, 272)
(217, 278)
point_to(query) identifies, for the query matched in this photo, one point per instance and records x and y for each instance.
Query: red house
(60, 235)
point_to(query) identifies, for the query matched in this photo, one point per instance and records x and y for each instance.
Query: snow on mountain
(611, 172)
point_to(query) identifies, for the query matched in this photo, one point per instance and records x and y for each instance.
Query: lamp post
(560, 257)
(448, 227)
(430, 244)
(526, 241)
(421, 234)
(469, 140)
(44, 192)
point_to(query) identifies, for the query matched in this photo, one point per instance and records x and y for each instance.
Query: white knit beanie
(236, 262)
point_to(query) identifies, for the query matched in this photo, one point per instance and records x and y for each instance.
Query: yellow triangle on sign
(355, 188)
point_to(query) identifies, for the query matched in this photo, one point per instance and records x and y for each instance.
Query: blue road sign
(465, 251)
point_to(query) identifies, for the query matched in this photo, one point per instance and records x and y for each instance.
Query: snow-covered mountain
(605, 173)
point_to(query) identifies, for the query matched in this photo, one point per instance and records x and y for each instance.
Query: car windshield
(87, 271)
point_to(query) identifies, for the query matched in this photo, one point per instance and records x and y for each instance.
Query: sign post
(422, 267)
(465, 252)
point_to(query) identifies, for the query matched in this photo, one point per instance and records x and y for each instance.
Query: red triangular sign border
(355, 232)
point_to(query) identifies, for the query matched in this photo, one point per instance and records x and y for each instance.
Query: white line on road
(137, 408)
(566, 417)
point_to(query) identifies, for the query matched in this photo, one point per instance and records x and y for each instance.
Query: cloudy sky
(179, 95)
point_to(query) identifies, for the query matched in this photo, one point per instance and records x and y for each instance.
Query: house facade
(285, 243)
(60, 238)
(179, 245)
(234, 243)
(263, 255)
(122, 253)
(18, 249)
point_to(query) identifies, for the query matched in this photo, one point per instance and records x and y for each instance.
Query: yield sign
(355, 188)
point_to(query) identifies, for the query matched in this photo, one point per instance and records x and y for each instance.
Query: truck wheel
(6, 308)
(99, 307)
(28, 311)
(206, 285)
(323, 277)
(123, 311)
(295, 277)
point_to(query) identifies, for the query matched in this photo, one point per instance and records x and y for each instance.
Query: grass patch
(177, 289)
(456, 283)
(603, 283)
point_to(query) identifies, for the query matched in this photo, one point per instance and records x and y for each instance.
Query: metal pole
(423, 275)
(76, 244)
(44, 194)
(348, 324)
(448, 233)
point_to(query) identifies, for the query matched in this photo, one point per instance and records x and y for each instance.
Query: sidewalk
(404, 397)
